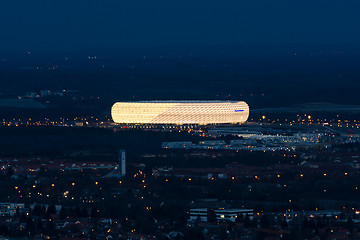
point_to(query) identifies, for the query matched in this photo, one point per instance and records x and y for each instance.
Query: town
(254, 181)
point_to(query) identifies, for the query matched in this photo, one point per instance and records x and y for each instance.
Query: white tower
(122, 162)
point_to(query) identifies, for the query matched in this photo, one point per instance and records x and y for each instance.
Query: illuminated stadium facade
(179, 112)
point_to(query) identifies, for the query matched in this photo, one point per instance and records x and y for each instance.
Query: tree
(197, 221)
(62, 213)
(350, 225)
(264, 221)
(37, 210)
(247, 221)
(94, 212)
(51, 209)
(77, 212)
(194, 233)
(50, 227)
(319, 222)
(30, 226)
(239, 218)
(4, 229)
(284, 224)
(9, 172)
(84, 213)
(39, 224)
(211, 216)
(23, 218)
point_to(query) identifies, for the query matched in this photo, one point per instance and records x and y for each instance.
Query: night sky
(74, 24)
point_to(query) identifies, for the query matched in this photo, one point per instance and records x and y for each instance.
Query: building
(45, 93)
(9, 209)
(177, 145)
(221, 214)
(212, 142)
(180, 112)
(122, 162)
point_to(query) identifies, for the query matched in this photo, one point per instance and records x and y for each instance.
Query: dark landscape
(85, 152)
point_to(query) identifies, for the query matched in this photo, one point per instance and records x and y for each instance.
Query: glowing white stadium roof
(180, 112)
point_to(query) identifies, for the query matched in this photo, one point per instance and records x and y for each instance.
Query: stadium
(180, 112)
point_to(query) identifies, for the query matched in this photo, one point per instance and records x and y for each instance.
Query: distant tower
(122, 162)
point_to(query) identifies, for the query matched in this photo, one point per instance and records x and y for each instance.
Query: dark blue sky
(74, 24)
